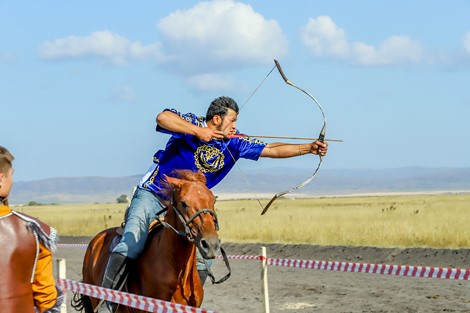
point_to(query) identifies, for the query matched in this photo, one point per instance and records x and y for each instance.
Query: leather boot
(114, 275)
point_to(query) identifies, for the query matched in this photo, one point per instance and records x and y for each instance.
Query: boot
(114, 275)
(203, 275)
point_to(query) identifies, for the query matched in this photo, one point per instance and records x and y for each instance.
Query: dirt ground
(307, 290)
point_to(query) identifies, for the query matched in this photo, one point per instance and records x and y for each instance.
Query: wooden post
(264, 280)
(61, 273)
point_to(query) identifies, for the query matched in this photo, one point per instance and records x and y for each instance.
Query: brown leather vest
(18, 247)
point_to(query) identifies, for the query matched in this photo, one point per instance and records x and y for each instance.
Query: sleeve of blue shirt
(248, 148)
(190, 117)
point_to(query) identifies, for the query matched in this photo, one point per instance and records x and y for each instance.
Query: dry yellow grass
(383, 221)
(78, 219)
(439, 221)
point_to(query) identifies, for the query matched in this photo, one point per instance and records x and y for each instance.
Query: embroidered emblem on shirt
(208, 159)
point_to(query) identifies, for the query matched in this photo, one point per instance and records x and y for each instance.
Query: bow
(321, 138)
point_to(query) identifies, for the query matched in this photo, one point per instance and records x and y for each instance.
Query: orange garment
(27, 283)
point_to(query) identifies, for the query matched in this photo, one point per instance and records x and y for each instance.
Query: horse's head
(194, 203)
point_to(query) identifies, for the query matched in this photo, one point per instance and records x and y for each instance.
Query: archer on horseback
(197, 143)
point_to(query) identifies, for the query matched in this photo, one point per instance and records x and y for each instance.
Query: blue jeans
(144, 205)
(142, 210)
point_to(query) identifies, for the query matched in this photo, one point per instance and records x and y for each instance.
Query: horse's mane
(188, 175)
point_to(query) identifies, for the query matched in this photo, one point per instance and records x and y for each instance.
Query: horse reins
(187, 229)
(189, 234)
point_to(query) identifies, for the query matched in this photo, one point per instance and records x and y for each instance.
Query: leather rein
(188, 233)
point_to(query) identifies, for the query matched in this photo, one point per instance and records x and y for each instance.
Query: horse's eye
(184, 205)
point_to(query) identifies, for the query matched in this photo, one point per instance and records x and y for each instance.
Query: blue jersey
(214, 159)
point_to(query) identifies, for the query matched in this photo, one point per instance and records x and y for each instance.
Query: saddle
(154, 225)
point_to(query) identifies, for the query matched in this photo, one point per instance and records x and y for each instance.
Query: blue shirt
(214, 159)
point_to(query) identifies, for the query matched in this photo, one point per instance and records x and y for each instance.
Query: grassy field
(439, 221)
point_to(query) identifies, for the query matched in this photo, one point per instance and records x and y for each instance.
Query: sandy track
(306, 290)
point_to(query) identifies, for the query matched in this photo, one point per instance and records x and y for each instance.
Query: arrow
(283, 137)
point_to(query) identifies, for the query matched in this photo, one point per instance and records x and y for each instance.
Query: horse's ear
(175, 182)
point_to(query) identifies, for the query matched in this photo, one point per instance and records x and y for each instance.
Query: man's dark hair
(219, 107)
(6, 158)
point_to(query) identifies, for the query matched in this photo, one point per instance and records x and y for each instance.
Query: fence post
(264, 280)
(61, 273)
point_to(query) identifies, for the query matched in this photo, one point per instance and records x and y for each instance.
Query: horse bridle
(188, 234)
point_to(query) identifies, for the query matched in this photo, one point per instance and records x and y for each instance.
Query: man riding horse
(196, 143)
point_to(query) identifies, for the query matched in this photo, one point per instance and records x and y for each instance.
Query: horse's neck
(166, 267)
(170, 246)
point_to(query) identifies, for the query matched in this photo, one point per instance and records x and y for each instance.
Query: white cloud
(103, 44)
(326, 39)
(393, 50)
(220, 34)
(466, 42)
(211, 37)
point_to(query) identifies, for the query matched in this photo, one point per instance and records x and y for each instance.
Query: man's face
(6, 181)
(228, 125)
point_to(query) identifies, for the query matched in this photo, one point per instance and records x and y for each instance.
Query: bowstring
(256, 89)
(245, 178)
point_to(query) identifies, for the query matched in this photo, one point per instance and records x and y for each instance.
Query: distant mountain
(73, 189)
(256, 183)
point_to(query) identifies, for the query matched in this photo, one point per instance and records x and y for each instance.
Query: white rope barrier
(154, 305)
(383, 269)
(72, 245)
(128, 299)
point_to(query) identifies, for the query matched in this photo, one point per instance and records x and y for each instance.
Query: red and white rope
(242, 257)
(127, 299)
(383, 269)
(72, 246)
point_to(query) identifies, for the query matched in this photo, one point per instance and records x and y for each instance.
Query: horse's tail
(81, 302)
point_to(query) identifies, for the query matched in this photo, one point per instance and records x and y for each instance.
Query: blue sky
(81, 82)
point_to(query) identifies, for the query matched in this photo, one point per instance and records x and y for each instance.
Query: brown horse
(166, 269)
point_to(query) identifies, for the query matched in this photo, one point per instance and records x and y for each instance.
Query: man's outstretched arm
(288, 150)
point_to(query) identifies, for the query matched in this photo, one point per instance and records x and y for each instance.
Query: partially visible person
(27, 283)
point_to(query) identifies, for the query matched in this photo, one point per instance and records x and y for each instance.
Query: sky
(81, 82)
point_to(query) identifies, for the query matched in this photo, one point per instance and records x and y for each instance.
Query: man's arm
(174, 123)
(287, 150)
(47, 295)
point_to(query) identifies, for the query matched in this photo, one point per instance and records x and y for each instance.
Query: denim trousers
(142, 211)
